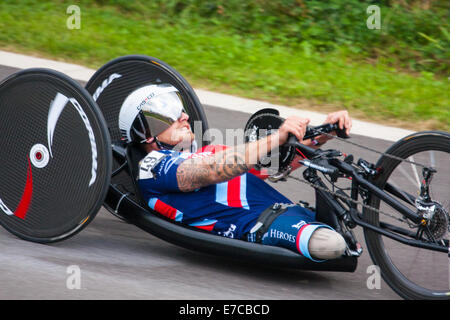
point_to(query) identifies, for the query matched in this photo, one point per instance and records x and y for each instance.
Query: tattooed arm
(224, 165)
(195, 173)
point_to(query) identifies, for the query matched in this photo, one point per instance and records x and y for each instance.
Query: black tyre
(413, 273)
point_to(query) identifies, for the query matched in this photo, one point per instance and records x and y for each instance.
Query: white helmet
(148, 111)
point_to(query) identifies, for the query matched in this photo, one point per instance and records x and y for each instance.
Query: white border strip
(209, 98)
(21, 61)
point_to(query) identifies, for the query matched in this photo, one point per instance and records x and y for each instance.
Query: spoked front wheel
(422, 183)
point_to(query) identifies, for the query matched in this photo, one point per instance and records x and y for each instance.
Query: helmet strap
(162, 145)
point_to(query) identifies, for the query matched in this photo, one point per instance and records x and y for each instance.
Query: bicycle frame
(352, 216)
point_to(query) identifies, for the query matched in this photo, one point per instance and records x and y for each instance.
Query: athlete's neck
(149, 147)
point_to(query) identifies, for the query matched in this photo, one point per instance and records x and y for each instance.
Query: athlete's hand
(295, 125)
(342, 118)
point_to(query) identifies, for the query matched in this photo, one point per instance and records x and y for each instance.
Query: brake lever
(341, 133)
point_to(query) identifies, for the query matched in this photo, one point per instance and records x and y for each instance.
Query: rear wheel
(117, 79)
(414, 273)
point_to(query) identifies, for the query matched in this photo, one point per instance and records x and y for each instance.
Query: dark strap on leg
(265, 219)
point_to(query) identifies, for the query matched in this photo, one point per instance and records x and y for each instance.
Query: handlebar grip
(312, 132)
(340, 132)
(292, 140)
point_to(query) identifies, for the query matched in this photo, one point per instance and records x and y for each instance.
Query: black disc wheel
(56, 161)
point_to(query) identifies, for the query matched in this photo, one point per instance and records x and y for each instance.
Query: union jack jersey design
(229, 208)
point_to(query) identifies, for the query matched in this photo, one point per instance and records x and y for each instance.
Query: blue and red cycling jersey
(229, 208)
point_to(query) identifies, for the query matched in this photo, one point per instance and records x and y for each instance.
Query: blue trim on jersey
(179, 216)
(205, 222)
(243, 192)
(222, 193)
(152, 202)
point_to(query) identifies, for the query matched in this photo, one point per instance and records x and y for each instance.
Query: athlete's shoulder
(160, 162)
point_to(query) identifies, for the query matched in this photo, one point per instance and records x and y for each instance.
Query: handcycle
(419, 220)
(79, 164)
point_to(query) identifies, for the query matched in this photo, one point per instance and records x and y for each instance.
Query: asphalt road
(117, 260)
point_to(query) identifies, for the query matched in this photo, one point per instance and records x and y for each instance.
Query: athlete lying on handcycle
(217, 187)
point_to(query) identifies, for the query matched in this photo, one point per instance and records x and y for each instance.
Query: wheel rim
(417, 271)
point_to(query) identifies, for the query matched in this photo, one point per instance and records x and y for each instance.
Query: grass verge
(216, 59)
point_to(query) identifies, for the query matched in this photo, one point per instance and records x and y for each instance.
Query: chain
(347, 199)
(341, 196)
(370, 149)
